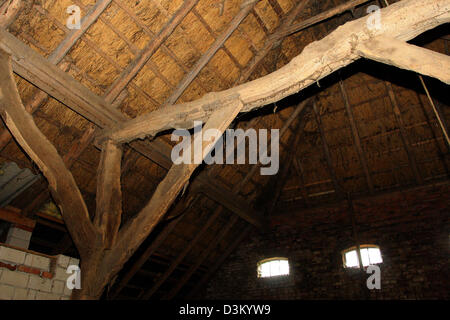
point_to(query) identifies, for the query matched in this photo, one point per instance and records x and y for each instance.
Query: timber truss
(103, 246)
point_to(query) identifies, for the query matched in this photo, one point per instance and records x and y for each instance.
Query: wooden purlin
(134, 67)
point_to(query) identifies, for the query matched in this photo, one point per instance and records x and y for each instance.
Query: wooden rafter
(274, 187)
(406, 56)
(326, 150)
(188, 274)
(403, 133)
(300, 107)
(143, 258)
(209, 54)
(356, 137)
(299, 171)
(270, 43)
(219, 262)
(319, 18)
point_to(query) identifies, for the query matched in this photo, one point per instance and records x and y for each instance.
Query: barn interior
(363, 153)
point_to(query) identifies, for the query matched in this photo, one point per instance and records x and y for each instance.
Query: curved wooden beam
(406, 56)
(61, 182)
(403, 21)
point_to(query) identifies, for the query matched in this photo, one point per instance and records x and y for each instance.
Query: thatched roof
(325, 157)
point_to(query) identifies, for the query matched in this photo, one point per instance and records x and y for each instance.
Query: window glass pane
(273, 268)
(375, 255)
(369, 255)
(265, 270)
(284, 267)
(351, 259)
(364, 257)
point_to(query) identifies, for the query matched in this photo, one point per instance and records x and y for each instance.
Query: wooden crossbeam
(16, 218)
(350, 5)
(402, 55)
(317, 60)
(270, 43)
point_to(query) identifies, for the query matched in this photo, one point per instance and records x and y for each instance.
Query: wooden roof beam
(209, 54)
(143, 258)
(149, 293)
(403, 20)
(326, 151)
(404, 134)
(136, 230)
(356, 138)
(230, 200)
(133, 68)
(44, 154)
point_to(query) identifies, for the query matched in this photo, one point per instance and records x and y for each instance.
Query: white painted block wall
(19, 281)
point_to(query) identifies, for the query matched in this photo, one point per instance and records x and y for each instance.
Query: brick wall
(27, 275)
(411, 228)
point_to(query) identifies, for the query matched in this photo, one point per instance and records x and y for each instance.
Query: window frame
(261, 262)
(355, 248)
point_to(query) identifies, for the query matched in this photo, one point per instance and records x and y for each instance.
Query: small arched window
(370, 254)
(273, 267)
